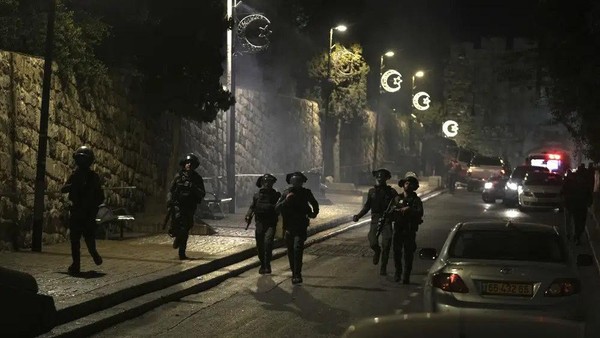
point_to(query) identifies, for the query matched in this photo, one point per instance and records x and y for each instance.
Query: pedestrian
(577, 195)
(378, 200)
(297, 205)
(186, 192)
(407, 215)
(265, 219)
(86, 195)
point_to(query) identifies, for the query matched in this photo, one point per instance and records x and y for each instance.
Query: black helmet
(83, 156)
(386, 174)
(412, 180)
(288, 177)
(265, 177)
(190, 158)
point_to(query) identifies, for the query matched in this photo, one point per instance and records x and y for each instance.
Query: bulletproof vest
(298, 205)
(265, 202)
(380, 198)
(408, 222)
(183, 189)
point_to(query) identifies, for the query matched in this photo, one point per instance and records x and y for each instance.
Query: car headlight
(488, 185)
(520, 189)
(512, 186)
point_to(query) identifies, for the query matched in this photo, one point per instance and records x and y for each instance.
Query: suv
(483, 167)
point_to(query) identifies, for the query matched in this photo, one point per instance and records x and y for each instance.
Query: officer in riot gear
(186, 192)
(407, 215)
(297, 205)
(86, 195)
(378, 199)
(265, 218)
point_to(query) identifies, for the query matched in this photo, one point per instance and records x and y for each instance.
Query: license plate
(507, 289)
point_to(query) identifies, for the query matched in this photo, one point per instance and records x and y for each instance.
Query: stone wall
(274, 134)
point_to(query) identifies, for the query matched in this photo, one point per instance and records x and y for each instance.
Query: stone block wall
(274, 134)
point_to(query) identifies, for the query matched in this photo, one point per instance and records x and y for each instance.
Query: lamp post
(230, 150)
(376, 132)
(340, 28)
(40, 177)
(418, 74)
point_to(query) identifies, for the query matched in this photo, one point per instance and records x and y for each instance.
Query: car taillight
(450, 282)
(563, 287)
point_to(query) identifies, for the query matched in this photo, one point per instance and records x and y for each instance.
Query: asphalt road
(341, 286)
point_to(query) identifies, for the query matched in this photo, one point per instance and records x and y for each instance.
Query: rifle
(249, 220)
(167, 217)
(383, 219)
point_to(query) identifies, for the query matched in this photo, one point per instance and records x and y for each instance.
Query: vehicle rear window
(515, 245)
(537, 178)
(481, 160)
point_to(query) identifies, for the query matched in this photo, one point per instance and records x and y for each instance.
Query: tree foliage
(570, 36)
(169, 52)
(347, 84)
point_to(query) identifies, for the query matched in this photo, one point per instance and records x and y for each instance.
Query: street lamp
(376, 132)
(411, 136)
(340, 28)
(419, 73)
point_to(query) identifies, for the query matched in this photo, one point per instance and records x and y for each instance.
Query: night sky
(420, 32)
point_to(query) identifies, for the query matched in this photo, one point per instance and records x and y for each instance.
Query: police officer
(186, 192)
(297, 204)
(85, 194)
(265, 216)
(378, 199)
(407, 216)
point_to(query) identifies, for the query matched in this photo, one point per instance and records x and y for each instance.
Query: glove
(355, 218)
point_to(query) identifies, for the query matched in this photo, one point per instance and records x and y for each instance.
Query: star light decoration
(253, 32)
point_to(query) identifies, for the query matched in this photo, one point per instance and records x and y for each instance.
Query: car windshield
(507, 245)
(481, 160)
(537, 178)
(520, 172)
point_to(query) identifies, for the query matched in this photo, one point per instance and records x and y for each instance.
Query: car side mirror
(585, 260)
(428, 253)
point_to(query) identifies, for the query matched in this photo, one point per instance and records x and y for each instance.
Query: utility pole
(231, 130)
(40, 177)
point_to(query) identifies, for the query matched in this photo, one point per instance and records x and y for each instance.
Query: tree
(569, 49)
(347, 87)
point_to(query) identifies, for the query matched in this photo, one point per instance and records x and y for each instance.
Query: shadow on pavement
(344, 287)
(84, 275)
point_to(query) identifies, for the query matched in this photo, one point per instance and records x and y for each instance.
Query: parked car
(481, 168)
(540, 190)
(493, 188)
(511, 195)
(505, 268)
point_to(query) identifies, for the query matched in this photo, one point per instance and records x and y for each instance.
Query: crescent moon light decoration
(417, 101)
(396, 81)
(450, 128)
(254, 31)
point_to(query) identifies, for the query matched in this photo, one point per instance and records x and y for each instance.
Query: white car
(540, 190)
(502, 268)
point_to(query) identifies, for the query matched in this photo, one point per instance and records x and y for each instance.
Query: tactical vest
(265, 202)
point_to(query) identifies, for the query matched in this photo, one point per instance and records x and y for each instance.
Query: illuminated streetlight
(339, 28)
(376, 132)
(420, 73)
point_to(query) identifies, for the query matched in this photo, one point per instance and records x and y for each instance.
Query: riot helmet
(265, 177)
(84, 157)
(413, 181)
(192, 159)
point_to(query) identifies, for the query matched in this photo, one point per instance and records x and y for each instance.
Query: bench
(114, 220)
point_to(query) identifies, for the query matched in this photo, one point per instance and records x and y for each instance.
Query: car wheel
(488, 199)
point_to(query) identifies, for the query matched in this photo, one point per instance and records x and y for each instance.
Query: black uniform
(577, 194)
(86, 195)
(187, 191)
(406, 226)
(265, 216)
(378, 199)
(296, 211)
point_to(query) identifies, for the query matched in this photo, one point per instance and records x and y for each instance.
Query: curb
(101, 313)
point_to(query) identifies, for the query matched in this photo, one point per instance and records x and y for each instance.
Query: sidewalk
(135, 267)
